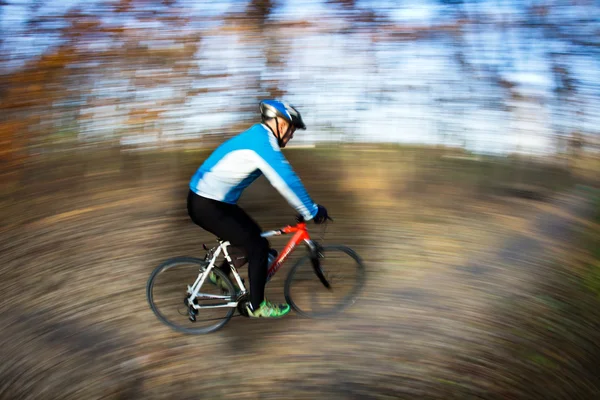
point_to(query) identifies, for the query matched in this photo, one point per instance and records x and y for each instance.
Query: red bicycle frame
(300, 235)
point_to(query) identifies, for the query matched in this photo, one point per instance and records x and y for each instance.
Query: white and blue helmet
(275, 108)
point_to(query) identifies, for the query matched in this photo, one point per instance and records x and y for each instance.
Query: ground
(457, 277)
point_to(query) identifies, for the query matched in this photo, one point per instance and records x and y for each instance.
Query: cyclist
(218, 183)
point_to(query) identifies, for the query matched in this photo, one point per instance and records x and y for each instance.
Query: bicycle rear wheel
(167, 291)
(308, 296)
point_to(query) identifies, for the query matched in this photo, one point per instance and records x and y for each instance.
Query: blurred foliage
(171, 73)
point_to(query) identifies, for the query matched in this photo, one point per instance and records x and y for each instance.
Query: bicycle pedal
(192, 314)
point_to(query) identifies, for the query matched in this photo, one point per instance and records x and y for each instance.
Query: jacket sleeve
(280, 174)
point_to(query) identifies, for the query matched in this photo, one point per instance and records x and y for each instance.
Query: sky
(328, 76)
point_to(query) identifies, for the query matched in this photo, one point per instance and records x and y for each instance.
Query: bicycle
(198, 299)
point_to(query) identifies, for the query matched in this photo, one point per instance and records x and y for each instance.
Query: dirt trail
(76, 253)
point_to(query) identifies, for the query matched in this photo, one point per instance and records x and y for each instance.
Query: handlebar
(289, 229)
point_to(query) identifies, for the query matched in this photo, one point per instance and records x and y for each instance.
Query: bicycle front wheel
(167, 294)
(307, 295)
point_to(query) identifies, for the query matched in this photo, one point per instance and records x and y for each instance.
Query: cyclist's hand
(321, 216)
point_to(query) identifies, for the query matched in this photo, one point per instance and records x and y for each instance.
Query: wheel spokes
(170, 287)
(342, 270)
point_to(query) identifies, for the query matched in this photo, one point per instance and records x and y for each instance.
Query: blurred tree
(258, 11)
(251, 26)
(112, 58)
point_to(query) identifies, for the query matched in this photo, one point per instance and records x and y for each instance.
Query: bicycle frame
(300, 236)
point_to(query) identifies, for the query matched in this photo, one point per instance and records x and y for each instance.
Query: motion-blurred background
(456, 143)
(488, 76)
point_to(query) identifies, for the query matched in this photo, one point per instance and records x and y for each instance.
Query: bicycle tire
(198, 263)
(305, 267)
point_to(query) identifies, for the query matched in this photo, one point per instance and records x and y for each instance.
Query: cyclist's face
(291, 133)
(283, 128)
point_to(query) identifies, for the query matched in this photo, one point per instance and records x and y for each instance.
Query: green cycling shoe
(218, 281)
(268, 310)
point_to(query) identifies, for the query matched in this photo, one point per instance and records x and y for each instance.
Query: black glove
(321, 215)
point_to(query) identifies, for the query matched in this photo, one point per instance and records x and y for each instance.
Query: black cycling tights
(230, 222)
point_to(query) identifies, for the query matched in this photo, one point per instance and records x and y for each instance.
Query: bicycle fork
(314, 250)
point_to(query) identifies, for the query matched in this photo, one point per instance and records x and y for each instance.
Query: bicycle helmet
(275, 108)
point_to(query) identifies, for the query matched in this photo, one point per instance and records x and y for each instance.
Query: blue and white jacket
(236, 163)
